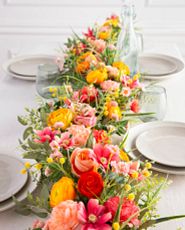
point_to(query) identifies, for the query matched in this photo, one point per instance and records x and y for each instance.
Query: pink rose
(85, 115)
(110, 85)
(82, 160)
(128, 209)
(64, 216)
(80, 135)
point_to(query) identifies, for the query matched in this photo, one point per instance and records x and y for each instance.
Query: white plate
(11, 181)
(159, 66)
(136, 131)
(30, 187)
(164, 145)
(25, 67)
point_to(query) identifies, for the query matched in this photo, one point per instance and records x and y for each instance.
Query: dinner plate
(130, 145)
(25, 67)
(30, 187)
(164, 145)
(155, 66)
(11, 181)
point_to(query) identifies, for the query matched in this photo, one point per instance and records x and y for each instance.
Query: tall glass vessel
(127, 46)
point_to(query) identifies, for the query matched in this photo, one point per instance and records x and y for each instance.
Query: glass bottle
(127, 45)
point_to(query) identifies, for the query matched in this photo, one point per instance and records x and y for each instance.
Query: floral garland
(88, 182)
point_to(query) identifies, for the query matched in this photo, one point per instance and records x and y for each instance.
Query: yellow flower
(104, 35)
(38, 166)
(27, 165)
(112, 22)
(124, 156)
(62, 190)
(122, 67)
(97, 76)
(115, 226)
(49, 160)
(135, 174)
(148, 165)
(82, 67)
(146, 173)
(136, 76)
(127, 187)
(84, 61)
(114, 112)
(62, 160)
(61, 115)
(23, 171)
(131, 196)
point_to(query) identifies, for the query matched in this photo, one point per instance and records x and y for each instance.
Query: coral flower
(45, 135)
(110, 85)
(86, 95)
(106, 153)
(134, 106)
(97, 76)
(80, 135)
(95, 217)
(62, 190)
(83, 160)
(90, 184)
(61, 115)
(101, 136)
(128, 209)
(82, 67)
(64, 217)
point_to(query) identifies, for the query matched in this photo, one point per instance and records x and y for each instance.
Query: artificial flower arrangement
(87, 182)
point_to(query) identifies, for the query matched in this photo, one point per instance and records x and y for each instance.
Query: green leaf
(34, 145)
(22, 120)
(27, 132)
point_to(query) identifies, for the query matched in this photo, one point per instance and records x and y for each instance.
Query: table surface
(17, 94)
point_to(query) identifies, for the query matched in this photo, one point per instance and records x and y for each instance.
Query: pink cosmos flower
(106, 153)
(110, 85)
(128, 209)
(45, 135)
(85, 115)
(126, 91)
(64, 216)
(94, 217)
(80, 135)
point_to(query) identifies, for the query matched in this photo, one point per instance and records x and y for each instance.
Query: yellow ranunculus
(61, 115)
(104, 35)
(122, 67)
(82, 67)
(124, 156)
(97, 76)
(62, 190)
(112, 22)
(114, 113)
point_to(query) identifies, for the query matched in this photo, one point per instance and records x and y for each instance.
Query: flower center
(103, 160)
(92, 218)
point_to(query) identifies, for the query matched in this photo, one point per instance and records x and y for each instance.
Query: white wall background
(27, 24)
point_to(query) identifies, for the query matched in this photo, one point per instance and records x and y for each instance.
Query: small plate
(25, 67)
(164, 145)
(135, 154)
(158, 66)
(11, 181)
(30, 187)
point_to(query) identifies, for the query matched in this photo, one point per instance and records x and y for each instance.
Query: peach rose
(64, 216)
(83, 160)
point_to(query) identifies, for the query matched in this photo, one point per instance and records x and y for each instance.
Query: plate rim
(163, 77)
(132, 134)
(17, 190)
(150, 158)
(6, 64)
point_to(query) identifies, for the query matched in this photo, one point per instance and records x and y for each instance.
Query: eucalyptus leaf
(22, 121)
(27, 132)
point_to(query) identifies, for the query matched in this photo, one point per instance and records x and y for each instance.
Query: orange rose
(122, 67)
(61, 115)
(97, 76)
(62, 190)
(83, 160)
(90, 184)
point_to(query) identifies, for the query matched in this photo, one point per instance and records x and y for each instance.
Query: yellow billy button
(50, 160)
(134, 174)
(116, 226)
(131, 196)
(148, 165)
(38, 166)
(62, 160)
(27, 165)
(146, 173)
(23, 171)
(127, 187)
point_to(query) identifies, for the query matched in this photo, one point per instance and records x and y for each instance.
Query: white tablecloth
(16, 94)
